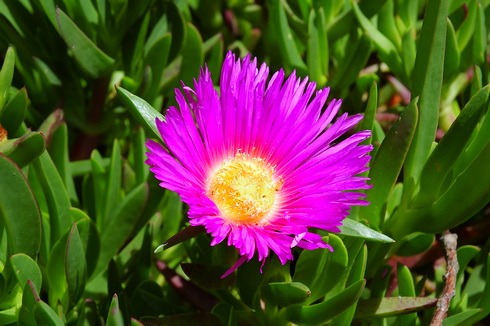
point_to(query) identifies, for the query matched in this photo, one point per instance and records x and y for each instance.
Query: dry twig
(450, 243)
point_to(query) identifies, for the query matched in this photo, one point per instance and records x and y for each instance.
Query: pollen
(244, 189)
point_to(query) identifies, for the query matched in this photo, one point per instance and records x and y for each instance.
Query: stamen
(244, 189)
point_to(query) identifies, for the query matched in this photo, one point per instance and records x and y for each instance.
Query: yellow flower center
(244, 189)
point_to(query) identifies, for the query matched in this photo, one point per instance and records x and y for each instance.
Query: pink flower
(260, 164)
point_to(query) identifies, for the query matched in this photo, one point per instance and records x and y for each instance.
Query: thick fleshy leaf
(56, 275)
(287, 46)
(462, 200)
(427, 83)
(406, 288)
(29, 298)
(192, 55)
(75, 265)
(143, 112)
(353, 228)
(452, 53)
(185, 234)
(14, 112)
(285, 294)
(93, 61)
(386, 49)
(387, 24)
(480, 35)
(467, 28)
(323, 312)
(176, 21)
(415, 243)
(367, 122)
(409, 52)
(89, 313)
(44, 315)
(387, 164)
(357, 272)
(56, 195)
(112, 192)
(392, 306)
(138, 153)
(25, 149)
(115, 316)
(214, 49)
(451, 146)
(6, 75)
(59, 151)
(156, 58)
(126, 214)
(321, 270)
(352, 62)
(19, 210)
(25, 268)
(89, 237)
(461, 318)
(99, 184)
(465, 254)
(317, 54)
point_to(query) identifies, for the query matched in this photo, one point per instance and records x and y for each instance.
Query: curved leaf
(284, 294)
(143, 112)
(19, 210)
(6, 76)
(353, 228)
(322, 312)
(392, 306)
(75, 265)
(93, 61)
(25, 268)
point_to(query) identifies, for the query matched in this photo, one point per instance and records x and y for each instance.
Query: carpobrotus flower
(258, 164)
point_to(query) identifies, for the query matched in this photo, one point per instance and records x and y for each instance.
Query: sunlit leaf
(395, 306)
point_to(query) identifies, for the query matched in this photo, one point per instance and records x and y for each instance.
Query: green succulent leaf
(25, 149)
(328, 309)
(44, 315)
(143, 112)
(451, 146)
(287, 46)
(6, 76)
(313, 266)
(56, 196)
(192, 55)
(92, 60)
(75, 265)
(427, 83)
(285, 294)
(356, 229)
(461, 318)
(125, 216)
(415, 243)
(387, 164)
(115, 316)
(392, 306)
(14, 112)
(26, 269)
(386, 49)
(317, 54)
(19, 210)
